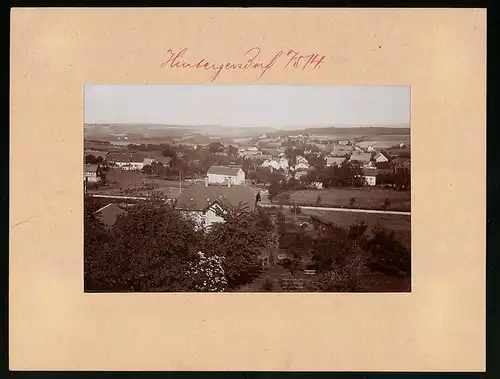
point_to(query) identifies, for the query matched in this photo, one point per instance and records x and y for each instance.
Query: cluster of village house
(225, 187)
(222, 189)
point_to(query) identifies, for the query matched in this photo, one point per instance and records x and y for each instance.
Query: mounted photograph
(247, 188)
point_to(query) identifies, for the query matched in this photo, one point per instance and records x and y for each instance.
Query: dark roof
(91, 167)
(223, 170)
(362, 157)
(198, 197)
(370, 172)
(109, 214)
(337, 160)
(402, 161)
(125, 157)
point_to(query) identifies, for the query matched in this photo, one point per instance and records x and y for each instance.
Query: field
(135, 183)
(384, 141)
(366, 198)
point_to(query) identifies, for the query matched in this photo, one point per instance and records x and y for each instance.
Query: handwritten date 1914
(297, 60)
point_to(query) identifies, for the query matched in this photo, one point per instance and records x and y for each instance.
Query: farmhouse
(109, 214)
(126, 161)
(302, 166)
(223, 175)
(330, 161)
(370, 176)
(301, 159)
(271, 163)
(164, 161)
(91, 173)
(363, 158)
(379, 158)
(206, 203)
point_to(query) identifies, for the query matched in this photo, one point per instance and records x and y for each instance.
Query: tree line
(156, 248)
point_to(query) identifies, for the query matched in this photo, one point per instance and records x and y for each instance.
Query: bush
(295, 209)
(388, 255)
(268, 285)
(207, 274)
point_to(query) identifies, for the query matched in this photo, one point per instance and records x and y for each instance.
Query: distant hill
(153, 131)
(356, 130)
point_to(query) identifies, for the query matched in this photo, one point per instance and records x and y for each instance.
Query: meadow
(365, 198)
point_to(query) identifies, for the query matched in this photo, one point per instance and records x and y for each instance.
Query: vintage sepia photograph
(247, 188)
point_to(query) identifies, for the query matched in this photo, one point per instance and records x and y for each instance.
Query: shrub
(295, 209)
(388, 255)
(268, 285)
(207, 274)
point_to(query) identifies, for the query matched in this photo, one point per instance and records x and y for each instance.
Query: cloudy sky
(247, 105)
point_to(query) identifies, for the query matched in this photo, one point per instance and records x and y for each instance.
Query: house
(370, 176)
(302, 166)
(283, 162)
(91, 173)
(221, 154)
(126, 160)
(206, 203)
(330, 161)
(274, 164)
(301, 159)
(363, 158)
(109, 214)
(223, 174)
(164, 161)
(379, 158)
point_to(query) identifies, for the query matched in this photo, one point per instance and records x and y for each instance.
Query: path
(341, 209)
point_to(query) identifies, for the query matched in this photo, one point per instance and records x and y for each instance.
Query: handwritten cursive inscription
(292, 59)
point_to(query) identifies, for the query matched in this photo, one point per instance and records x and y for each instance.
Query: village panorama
(247, 189)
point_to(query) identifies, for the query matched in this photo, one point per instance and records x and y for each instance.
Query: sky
(248, 105)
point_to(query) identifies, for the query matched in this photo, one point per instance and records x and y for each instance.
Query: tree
(240, 240)
(150, 250)
(168, 151)
(352, 200)
(102, 175)
(274, 190)
(318, 201)
(232, 151)
(90, 159)
(387, 203)
(388, 255)
(147, 169)
(215, 147)
(332, 247)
